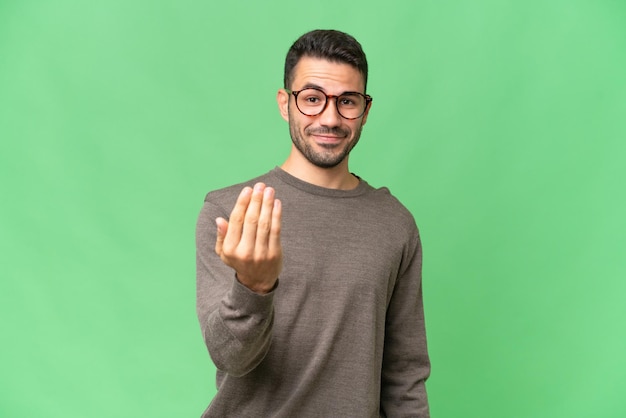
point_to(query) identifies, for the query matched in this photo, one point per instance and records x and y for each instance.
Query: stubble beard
(330, 158)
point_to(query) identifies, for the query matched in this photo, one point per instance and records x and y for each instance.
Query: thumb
(222, 227)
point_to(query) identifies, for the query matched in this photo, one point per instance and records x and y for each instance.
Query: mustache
(335, 131)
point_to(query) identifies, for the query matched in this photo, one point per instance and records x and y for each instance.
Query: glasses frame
(367, 97)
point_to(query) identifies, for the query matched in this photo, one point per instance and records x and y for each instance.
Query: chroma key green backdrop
(501, 125)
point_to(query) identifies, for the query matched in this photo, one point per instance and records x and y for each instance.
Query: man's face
(325, 140)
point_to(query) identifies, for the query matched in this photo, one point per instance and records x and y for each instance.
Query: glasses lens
(351, 105)
(311, 102)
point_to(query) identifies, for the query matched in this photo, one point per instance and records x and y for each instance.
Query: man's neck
(338, 177)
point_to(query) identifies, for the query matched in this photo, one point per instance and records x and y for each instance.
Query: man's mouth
(327, 139)
(328, 136)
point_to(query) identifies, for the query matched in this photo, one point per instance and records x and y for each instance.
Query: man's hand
(250, 241)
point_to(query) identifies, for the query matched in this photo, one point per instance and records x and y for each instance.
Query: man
(309, 288)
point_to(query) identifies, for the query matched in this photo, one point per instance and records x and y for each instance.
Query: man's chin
(329, 145)
(326, 162)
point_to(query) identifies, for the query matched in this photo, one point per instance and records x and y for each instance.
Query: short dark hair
(332, 45)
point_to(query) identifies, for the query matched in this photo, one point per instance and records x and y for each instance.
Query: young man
(309, 290)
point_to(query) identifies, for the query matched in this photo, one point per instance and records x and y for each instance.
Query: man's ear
(282, 98)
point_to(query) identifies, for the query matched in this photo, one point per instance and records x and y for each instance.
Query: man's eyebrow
(315, 86)
(312, 85)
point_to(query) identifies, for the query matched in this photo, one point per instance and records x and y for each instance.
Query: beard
(331, 155)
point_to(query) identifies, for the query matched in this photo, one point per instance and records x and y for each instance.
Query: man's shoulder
(228, 195)
(388, 202)
(381, 209)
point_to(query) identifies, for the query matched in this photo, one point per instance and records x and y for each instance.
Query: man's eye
(347, 102)
(312, 99)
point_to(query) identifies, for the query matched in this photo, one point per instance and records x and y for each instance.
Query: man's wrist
(260, 288)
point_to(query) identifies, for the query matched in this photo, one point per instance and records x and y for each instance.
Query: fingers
(249, 241)
(252, 216)
(252, 222)
(236, 220)
(265, 220)
(275, 248)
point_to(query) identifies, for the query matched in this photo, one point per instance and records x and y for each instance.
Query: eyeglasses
(312, 101)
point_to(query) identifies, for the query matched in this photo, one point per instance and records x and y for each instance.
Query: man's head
(324, 97)
(331, 45)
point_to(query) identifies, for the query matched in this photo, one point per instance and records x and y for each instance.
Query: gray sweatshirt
(342, 335)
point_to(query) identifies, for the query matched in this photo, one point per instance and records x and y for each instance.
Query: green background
(501, 126)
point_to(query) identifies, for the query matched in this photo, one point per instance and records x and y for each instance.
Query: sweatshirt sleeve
(236, 322)
(406, 364)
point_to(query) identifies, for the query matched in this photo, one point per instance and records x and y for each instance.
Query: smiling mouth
(334, 132)
(328, 134)
(327, 141)
(328, 137)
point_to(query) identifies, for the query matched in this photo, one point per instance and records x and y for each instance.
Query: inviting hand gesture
(250, 241)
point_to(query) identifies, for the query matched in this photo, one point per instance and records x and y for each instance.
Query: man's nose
(330, 116)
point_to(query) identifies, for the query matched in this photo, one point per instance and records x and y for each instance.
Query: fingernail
(258, 187)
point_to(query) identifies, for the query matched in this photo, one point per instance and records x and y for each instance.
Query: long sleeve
(406, 364)
(345, 324)
(236, 323)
